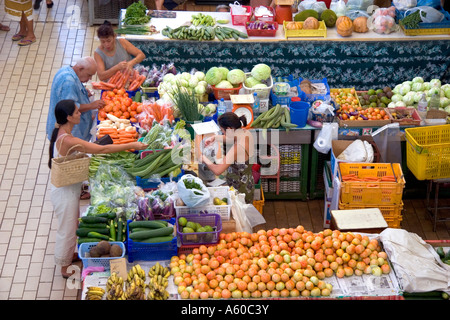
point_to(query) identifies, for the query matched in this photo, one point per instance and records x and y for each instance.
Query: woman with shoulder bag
(66, 199)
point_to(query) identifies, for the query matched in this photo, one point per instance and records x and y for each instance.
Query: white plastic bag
(428, 14)
(382, 21)
(328, 133)
(357, 151)
(246, 215)
(238, 9)
(193, 197)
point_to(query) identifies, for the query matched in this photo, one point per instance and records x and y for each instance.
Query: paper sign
(205, 127)
(119, 266)
(242, 98)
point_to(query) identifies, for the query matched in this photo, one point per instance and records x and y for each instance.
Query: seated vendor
(238, 151)
(114, 54)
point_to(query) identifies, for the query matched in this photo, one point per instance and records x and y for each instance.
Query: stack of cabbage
(223, 78)
(409, 93)
(193, 81)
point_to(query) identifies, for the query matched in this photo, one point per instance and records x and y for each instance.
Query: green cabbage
(199, 75)
(213, 76)
(261, 71)
(417, 80)
(251, 81)
(417, 86)
(435, 83)
(224, 84)
(224, 71)
(236, 76)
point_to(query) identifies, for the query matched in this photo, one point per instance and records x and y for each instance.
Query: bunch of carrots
(354, 178)
(120, 130)
(154, 112)
(127, 79)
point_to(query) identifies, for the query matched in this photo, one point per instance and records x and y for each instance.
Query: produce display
(95, 228)
(136, 14)
(280, 262)
(445, 257)
(274, 118)
(201, 19)
(158, 163)
(119, 105)
(202, 33)
(150, 231)
(409, 93)
(154, 75)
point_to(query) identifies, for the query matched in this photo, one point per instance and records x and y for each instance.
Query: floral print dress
(240, 177)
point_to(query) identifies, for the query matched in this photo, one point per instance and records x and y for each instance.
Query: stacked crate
(370, 189)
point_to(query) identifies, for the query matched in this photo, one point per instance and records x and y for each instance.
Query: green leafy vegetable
(136, 14)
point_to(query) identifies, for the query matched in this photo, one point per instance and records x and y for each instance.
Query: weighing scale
(243, 105)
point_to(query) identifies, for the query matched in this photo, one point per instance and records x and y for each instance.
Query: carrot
(126, 140)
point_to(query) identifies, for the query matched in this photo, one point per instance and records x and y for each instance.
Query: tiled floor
(27, 224)
(27, 228)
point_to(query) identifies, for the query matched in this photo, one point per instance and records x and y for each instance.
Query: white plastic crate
(262, 93)
(223, 210)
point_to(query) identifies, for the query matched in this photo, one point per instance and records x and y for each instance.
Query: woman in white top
(66, 200)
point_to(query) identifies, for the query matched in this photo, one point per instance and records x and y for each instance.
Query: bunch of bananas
(158, 282)
(114, 287)
(136, 270)
(158, 269)
(95, 293)
(201, 19)
(135, 289)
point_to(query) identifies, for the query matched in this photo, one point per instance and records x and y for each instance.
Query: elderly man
(68, 84)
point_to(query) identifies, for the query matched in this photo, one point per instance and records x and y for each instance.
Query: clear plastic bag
(318, 6)
(404, 4)
(328, 133)
(339, 7)
(383, 21)
(237, 8)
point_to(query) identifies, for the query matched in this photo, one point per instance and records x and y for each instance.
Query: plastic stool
(433, 211)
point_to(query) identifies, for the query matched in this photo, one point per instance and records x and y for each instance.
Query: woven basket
(71, 169)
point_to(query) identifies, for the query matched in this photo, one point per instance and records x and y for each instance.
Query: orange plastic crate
(372, 193)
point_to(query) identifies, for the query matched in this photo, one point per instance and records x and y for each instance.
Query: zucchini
(119, 229)
(156, 239)
(97, 235)
(141, 235)
(87, 239)
(142, 229)
(112, 231)
(83, 232)
(146, 224)
(93, 225)
(93, 219)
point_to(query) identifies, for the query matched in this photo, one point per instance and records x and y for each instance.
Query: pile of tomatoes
(119, 104)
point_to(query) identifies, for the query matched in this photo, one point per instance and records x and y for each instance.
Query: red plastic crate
(241, 19)
(225, 93)
(262, 32)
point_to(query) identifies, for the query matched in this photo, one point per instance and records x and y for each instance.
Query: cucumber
(146, 224)
(93, 219)
(119, 229)
(142, 229)
(112, 231)
(93, 225)
(156, 239)
(141, 235)
(83, 232)
(97, 235)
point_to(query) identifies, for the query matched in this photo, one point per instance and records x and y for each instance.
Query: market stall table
(362, 60)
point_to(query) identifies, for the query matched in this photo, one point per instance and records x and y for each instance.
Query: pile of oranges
(281, 262)
(119, 104)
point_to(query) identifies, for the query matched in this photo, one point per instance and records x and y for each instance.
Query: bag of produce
(427, 14)
(192, 191)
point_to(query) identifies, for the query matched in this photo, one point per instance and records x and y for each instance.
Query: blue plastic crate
(313, 97)
(83, 251)
(151, 251)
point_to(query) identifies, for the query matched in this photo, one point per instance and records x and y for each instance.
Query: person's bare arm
(138, 55)
(93, 148)
(104, 75)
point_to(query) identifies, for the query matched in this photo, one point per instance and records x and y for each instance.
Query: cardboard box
(363, 123)
(338, 146)
(228, 225)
